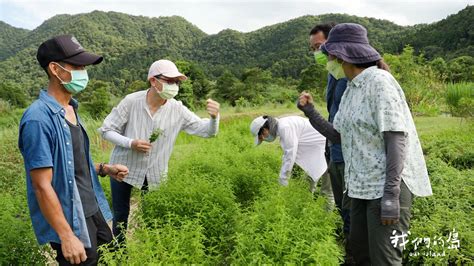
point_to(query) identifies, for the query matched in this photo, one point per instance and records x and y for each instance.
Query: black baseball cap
(65, 48)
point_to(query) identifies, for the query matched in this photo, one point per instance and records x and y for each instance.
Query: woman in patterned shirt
(385, 166)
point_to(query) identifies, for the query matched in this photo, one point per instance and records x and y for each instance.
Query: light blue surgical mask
(79, 80)
(269, 138)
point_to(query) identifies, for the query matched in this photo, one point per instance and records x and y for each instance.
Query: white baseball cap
(165, 68)
(255, 127)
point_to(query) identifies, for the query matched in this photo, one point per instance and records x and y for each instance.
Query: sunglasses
(169, 81)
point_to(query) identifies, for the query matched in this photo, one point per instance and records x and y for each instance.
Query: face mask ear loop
(62, 82)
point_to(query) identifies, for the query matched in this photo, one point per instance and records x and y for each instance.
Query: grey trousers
(369, 239)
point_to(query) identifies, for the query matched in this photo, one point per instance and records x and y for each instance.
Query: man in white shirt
(135, 119)
(300, 142)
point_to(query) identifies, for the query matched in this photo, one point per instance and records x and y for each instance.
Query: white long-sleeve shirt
(132, 119)
(303, 145)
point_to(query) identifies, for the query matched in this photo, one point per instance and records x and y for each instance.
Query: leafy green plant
(157, 132)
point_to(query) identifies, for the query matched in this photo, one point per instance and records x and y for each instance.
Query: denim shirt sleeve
(36, 144)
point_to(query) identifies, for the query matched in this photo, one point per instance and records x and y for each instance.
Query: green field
(222, 203)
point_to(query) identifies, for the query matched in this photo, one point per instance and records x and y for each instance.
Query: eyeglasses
(169, 81)
(316, 48)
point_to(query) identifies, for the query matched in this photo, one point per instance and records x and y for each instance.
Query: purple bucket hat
(349, 42)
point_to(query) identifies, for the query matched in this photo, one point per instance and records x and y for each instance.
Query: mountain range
(130, 44)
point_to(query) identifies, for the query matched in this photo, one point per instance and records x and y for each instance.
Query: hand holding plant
(155, 134)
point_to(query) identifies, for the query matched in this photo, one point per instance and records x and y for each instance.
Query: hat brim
(84, 59)
(257, 141)
(354, 53)
(174, 75)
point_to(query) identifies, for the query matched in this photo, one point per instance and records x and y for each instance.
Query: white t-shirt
(303, 145)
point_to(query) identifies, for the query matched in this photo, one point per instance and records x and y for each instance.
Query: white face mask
(169, 91)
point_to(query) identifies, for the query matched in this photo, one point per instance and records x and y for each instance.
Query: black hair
(366, 65)
(379, 63)
(324, 28)
(46, 70)
(266, 125)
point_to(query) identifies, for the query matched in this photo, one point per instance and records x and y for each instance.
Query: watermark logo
(426, 246)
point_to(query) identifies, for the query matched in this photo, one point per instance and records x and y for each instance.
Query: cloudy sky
(241, 15)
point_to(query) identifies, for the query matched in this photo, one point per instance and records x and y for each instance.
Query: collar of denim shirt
(53, 104)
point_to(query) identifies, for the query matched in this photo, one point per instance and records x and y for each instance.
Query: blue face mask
(269, 138)
(79, 80)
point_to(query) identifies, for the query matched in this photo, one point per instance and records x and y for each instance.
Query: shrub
(241, 104)
(170, 244)
(287, 226)
(200, 200)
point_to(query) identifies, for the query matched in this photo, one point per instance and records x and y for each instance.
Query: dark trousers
(370, 240)
(99, 234)
(121, 193)
(343, 202)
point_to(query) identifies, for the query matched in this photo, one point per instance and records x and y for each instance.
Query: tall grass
(460, 99)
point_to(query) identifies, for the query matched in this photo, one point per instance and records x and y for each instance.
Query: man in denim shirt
(67, 205)
(334, 91)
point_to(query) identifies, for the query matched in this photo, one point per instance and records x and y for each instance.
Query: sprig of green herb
(155, 134)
